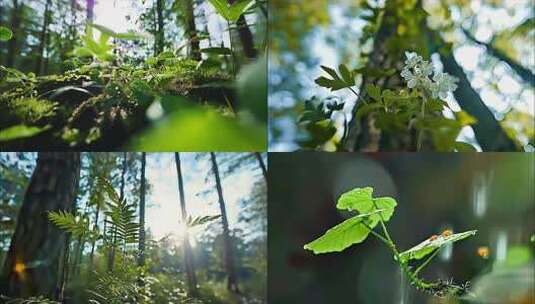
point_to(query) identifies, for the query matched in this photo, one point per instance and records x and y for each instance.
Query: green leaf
(374, 92)
(341, 236)
(217, 51)
(361, 200)
(78, 226)
(200, 220)
(200, 129)
(355, 199)
(460, 146)
(428, 246)
(5, 34)
(346, 74)
(21, 131)
(232, 12)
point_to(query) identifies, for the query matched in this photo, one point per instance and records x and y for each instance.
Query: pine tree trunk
(43, 38)
(188, 255)
(160, 34)
(90, 7)
(194, 51)
(362, 134)
(141, 247)
(232, 282)
(261, 164)
(15, 27)
(34, 256)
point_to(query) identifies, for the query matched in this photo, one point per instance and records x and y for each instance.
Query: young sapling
(373, 212)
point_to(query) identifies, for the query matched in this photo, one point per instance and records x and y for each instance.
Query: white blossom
(417, 71)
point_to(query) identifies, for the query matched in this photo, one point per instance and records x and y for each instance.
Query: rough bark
(32, 265)
(188, 255)
(43, 38)
(141, 247)
(232, 282)
(194, 51)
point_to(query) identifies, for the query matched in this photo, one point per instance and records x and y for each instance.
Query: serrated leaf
(431, 244)
(346, 74)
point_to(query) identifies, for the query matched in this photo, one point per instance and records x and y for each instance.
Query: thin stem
(421, 132)
(380, 237)
(351, 89)
(426, 262)
(385, 231)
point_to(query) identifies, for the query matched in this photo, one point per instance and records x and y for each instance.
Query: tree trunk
(43, 38)
(232, 283)
(90, 8)
(188, 256)
(246, 36)
(363, 136)
(194, 51)
(141, 247)
(34, 256)
(160, 35)
(15, 27)
(261, 164)
(93, 242)
(111, 254)
(488, 132)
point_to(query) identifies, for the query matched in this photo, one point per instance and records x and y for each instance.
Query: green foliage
(356, 229)
(430, 245)
(21, 132)
(78, 226)
(232, 12)
(122, 223)
(5, 33)
(101, 49)
(200, 220)
(371, 213)
(197, 127)
(31, 300)
(345, 79)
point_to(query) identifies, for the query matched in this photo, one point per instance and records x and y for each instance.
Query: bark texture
(34, 258)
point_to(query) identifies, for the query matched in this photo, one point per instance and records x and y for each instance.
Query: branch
(488, 132)
(523, 72)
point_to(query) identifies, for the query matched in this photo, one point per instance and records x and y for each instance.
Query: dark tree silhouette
(33, 264)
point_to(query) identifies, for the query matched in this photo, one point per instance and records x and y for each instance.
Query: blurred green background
(490, 192)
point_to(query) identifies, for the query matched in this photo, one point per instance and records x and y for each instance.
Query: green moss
(30, 111)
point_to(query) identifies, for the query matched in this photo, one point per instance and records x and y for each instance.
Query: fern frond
(200, 220)
(78, 226)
